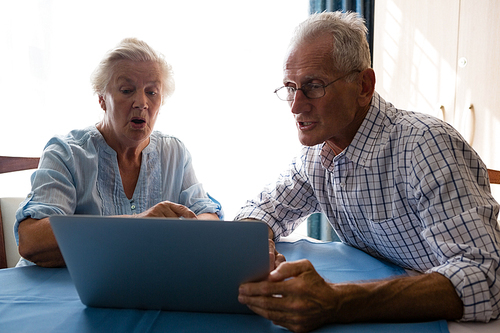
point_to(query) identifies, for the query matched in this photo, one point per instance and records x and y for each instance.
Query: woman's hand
(168, 209)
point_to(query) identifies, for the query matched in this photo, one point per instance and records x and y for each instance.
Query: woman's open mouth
(138, 122)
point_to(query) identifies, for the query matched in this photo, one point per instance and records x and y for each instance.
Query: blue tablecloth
(35, 299)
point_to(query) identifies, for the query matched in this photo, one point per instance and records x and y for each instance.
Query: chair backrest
(9, 254)
(494, 176)
(11, 164)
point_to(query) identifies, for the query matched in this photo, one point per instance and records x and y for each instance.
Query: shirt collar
(153, 138)
(361, 149)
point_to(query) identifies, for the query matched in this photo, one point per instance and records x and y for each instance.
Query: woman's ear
(102, 102)
(367, 87)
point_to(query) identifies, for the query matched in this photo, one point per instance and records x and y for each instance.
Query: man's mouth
(306, 125)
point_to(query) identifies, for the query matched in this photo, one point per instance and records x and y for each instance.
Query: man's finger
(287, 270)
(263, 288)
(279, 258)
(272, 261)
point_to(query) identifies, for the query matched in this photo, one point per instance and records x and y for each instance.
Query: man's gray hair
(135, 50)
(350, 50)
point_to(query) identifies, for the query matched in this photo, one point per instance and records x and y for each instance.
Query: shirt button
(132, 207)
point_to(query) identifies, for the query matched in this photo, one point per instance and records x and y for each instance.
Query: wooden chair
(494, 176)
(12, 164)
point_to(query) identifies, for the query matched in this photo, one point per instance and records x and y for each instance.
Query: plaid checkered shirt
(408, 189)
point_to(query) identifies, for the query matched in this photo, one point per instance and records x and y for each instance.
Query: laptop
(162, 264)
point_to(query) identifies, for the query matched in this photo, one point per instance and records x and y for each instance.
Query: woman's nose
(140, 100)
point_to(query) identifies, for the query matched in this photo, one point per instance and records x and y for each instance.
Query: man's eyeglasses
(310, 90)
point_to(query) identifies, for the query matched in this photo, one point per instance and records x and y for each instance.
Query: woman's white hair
(135, 50)
(350, 50)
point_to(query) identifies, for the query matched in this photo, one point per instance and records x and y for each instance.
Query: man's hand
(275, 258)
(168, 209)
(295, 296)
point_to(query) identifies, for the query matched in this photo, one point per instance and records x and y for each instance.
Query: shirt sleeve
(192, 194)
(53, 191)
(285, 204)
(460, 218)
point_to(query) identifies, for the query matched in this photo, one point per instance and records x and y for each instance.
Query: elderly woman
(119, 166)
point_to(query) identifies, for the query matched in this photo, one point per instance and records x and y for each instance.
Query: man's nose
(296, 106)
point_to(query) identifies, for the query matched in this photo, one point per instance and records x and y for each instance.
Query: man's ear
(102, 102)
(367, 87)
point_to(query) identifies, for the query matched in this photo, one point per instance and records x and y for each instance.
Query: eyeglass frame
(305, 92)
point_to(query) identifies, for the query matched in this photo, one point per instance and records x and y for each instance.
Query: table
(36, 299)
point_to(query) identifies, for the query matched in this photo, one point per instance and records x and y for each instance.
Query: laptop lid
(158, 263)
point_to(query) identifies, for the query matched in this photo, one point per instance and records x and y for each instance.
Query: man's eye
(290, 90)
(312, 86)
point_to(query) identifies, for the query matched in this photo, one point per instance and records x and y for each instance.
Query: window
(227, 59)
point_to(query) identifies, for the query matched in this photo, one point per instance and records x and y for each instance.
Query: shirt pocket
(400, 239)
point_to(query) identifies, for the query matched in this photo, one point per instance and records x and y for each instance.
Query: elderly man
(399, 185)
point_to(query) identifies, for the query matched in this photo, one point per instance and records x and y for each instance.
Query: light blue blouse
(78, 174)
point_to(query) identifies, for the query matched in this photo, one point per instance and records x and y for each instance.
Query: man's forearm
(425, 297)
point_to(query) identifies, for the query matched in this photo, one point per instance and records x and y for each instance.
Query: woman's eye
(125, 91)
